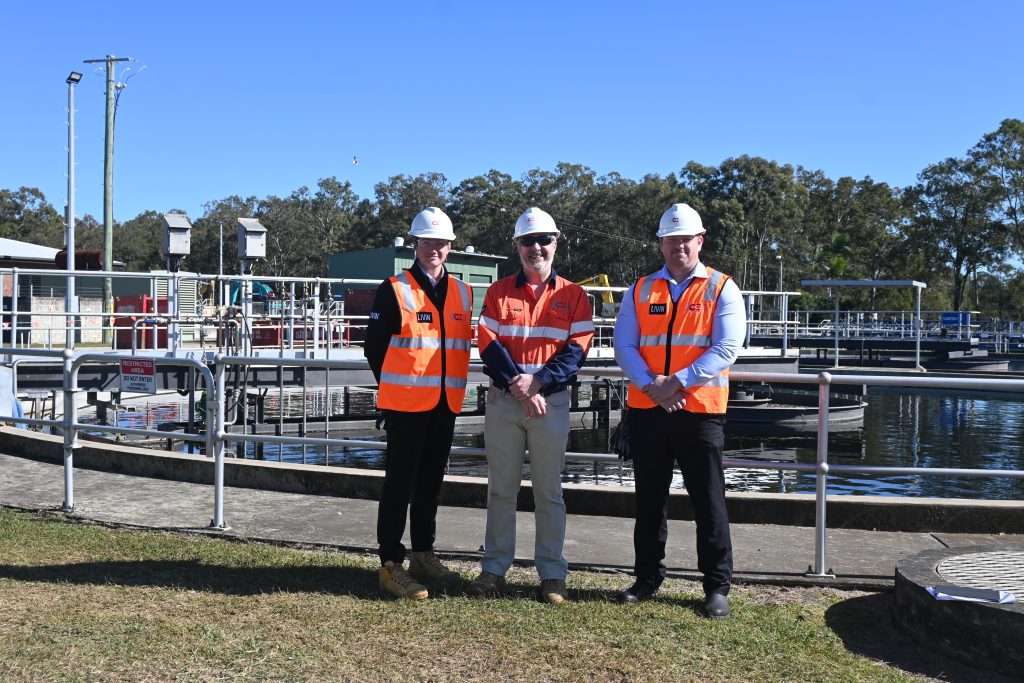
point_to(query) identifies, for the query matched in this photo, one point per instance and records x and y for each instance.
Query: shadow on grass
(527, 591)
(357, 582)
(213, 578)
(866, 628)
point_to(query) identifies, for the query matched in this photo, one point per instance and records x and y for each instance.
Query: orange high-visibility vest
(430, 352)
(674, 335)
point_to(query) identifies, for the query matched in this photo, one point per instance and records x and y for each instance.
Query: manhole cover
(999, 570)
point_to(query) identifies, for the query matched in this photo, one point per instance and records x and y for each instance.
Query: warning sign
(138, 375)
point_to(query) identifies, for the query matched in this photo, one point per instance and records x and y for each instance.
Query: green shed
(378, 264)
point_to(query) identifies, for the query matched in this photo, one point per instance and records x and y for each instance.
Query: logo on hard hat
(435, 222)
(675, 219)
(530, 219)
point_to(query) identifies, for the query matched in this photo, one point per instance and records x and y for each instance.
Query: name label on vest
(425, 317)
(658, 309)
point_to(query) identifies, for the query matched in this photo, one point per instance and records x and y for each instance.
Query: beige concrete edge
(855, 512)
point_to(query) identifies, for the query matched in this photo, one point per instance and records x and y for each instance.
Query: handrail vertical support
(215, 441)
(316, 317)
(785, 323)
(15, 289)
(835, 323)
(70, 434)
(821, 485)
(919, 325)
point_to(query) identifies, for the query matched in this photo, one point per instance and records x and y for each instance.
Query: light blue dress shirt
(728, 330)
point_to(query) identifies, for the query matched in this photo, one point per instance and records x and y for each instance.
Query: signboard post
(138, 375)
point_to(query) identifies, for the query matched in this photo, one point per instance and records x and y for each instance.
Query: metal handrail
(71, 426)
(217, 436)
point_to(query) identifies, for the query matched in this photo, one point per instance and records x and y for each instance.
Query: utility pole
(108, 188)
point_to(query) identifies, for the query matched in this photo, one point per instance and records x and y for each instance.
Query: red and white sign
(138, 375)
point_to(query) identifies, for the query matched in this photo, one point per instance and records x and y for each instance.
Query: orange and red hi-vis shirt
(547, 337)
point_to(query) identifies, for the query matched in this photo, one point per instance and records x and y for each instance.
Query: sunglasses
(542, 240)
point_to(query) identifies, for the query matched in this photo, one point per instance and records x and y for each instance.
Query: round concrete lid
(997, 570)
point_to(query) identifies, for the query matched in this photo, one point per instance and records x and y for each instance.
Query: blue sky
(260, 98)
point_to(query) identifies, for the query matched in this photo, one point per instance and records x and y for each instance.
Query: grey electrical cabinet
(252, 239)
(177, 235)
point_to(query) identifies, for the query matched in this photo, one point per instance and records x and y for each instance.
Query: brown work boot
(425, 566)
(486, 584)
(553, 591)
(393, 579)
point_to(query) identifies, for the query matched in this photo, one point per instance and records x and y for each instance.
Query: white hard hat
(680, 219)
(535, 221)
(432, 223)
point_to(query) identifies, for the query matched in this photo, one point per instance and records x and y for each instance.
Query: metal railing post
(70, 434)
(215, 440)
(14, 308)
(291, 317)
(316, 317)
(173, 331)
(785, 325)
(835, 323)
(821, 484)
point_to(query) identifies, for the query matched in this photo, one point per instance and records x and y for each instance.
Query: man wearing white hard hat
(417, 344)
(677, 333)
(534, 332)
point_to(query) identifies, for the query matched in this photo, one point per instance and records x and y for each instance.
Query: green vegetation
(83, 602)
(956, 229)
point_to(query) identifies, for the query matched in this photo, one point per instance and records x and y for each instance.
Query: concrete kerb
(844, 512)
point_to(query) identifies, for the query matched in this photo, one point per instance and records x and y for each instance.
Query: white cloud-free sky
(260, 98)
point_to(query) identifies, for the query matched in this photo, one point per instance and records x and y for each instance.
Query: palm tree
(833, 257)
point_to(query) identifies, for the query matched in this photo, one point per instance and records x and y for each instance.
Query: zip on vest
(668, 332)
(439, 305)
(671, 322)
(433, 296)
(709, 295)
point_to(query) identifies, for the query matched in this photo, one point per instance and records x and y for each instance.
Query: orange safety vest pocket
(559, 316)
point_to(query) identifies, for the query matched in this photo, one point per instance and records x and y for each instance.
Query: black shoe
(640, 590)
(716, 606)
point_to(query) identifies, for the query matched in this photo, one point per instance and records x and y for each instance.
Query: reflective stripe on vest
(691, 319)
(413, 372)
(421, 380)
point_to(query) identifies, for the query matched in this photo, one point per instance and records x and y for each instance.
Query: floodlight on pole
(69, 296)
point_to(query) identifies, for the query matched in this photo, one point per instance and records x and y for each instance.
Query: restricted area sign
(138, 375)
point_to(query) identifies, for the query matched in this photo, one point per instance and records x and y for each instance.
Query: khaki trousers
(508, 434)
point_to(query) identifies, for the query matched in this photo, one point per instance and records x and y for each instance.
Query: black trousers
(417, 454)
(658, 442)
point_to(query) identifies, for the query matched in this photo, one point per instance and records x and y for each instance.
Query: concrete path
(763, 553)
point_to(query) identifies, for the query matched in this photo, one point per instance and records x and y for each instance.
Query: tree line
(958, 228)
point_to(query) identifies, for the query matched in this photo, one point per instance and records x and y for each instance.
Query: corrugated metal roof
(13, 249)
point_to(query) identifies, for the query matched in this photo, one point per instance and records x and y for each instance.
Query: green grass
(83, 602)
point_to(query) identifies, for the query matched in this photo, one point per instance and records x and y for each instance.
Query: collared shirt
(546, 337)
(386, 316)
(727, 333)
